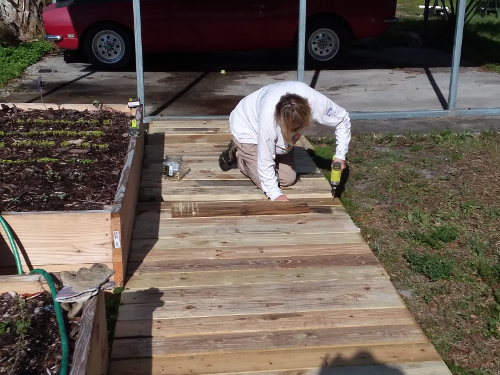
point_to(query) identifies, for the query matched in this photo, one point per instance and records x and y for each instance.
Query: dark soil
(69, 170)
(30, 343)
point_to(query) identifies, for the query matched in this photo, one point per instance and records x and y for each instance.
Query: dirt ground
(60, 160)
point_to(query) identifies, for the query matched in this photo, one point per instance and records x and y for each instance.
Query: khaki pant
(247, 163)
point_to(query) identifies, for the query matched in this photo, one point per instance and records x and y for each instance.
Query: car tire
(327, 43)
(109, 46)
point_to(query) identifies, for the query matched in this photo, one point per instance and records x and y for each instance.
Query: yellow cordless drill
(335, 176)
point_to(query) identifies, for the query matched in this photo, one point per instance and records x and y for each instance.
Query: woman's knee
(287, 179)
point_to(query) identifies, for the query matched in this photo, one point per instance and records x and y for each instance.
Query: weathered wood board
(91, 353)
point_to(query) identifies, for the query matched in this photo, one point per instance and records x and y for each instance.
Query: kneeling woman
(266, 125)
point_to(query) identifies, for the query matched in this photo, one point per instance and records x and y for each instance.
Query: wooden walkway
(270, 294)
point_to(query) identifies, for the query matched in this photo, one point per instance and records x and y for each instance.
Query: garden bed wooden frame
(68, 240)
(91, 354)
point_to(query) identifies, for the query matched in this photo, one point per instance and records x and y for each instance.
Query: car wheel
(327, 43)
(109, 46)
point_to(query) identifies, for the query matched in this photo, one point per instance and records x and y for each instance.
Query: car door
(202, 25)
(283, 22)
(156, 36)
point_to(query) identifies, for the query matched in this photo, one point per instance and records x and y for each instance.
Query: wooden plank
(228, 226)
(69, 237)
(360, 294)
(342, 336)
(306, 144)
(211, 170)
(222, 192)
(157, 152)
(252, 263)
(22, 284)
(304, 185)
(275, 291)
(211, 161)
(157, 217)
(304, 163)
(197, 172)
(179, 137)
(52, 267)
(190, 130)
(239, 277)
(410, 368)
(123, 212)
(160, 126)
(148, 252)
(277, 360)
(164, 207)
(91, 349)
(306, 241)
(262, 322)
(210, 209)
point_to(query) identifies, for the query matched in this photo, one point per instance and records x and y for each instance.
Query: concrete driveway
(379, 79)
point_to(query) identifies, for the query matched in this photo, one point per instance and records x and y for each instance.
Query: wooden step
(309, 223)
(146, 327)
(344, 336)
(169, 126)
(400, 359)
(219, 244)
(232, 277)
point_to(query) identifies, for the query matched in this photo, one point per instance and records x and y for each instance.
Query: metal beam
(424, 114)
(457, 51)
(139, 64)
(369, 115)
(302, 41)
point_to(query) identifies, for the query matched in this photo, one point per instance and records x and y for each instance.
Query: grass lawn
(481, 42)
(429, 208)
(14, 60)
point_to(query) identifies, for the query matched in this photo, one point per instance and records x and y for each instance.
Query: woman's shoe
(227, 158)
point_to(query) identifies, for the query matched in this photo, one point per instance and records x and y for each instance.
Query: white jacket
(252, 121)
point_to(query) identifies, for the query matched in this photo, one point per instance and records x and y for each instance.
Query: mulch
(30, 342)
(50, 160)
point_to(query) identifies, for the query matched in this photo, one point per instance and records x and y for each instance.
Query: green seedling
(34, 143)
(4, 328)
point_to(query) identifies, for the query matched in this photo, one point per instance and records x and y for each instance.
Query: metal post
(457, 51)
(138, 52)
(426, 21)
(302, 41)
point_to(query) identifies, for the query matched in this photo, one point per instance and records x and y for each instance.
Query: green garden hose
(57, 307)
(12, 245)
(60, 321)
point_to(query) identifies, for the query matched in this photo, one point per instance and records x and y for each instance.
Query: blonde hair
(292, 114)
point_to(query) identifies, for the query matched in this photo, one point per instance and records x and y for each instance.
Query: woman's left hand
(342, 162)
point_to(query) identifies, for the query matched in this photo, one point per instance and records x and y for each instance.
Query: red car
(103, 29)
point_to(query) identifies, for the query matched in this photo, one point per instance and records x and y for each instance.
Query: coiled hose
(57, 307)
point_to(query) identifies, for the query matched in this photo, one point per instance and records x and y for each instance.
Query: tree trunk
(21, 19)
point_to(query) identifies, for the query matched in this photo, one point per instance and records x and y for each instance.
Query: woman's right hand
(281, 198)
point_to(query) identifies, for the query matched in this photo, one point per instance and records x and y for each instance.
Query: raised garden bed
(61, 230)
(30, 342)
